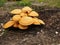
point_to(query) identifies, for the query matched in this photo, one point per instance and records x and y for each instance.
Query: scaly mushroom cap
(23, 14)
(16, 17)
(38, 21)
(26, 9)
(26, 21)
(22, 27)
(33, 13)
(16, 11)
(8, 24)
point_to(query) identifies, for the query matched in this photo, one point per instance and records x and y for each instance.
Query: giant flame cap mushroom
(22, 18)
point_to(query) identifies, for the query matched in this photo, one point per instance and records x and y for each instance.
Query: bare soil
(48, 34)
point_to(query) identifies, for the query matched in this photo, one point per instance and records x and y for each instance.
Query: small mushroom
(26, 21)
(16, 11)
(26, 9)
(16, 17)
(8, 24)
(22, 27)
(33, 13)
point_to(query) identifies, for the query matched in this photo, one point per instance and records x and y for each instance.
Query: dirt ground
(48, 34)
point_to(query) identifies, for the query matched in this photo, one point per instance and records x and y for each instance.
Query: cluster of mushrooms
(22, 18)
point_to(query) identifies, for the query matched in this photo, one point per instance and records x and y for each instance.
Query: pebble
(0, 30)
(39, 44)
(1, 24)
(1, 33)
(56, 32)
(57, 27)
(38, 32)
(42, 31)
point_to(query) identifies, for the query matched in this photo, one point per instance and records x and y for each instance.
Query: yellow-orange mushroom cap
(22, 27)
(41, 22)
(23, 14)
(38, 21)
(26, 21)
(33, 13)
(16, 17)
(8, 24)
(16, 11)
(26, 9)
